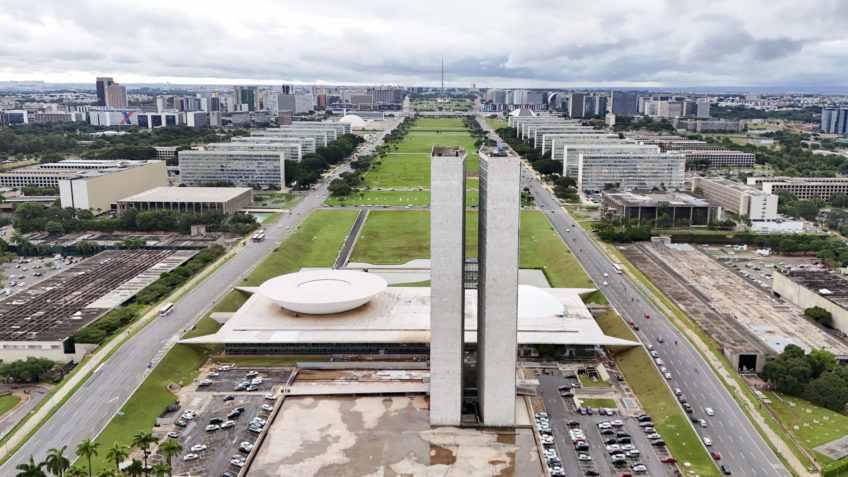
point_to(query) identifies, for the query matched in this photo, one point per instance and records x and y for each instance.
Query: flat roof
(187, 194)
(402, 315)
(828, 285)
(641, 198)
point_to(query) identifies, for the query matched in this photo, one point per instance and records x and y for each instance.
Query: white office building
(571, 152)
(241, 168)
(629, 171)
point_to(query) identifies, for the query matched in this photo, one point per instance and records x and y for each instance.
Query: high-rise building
(702, 109)
(288, 89)
(497, 286)
(101, 84)
(447, 262)
(576, 102)
(248, 95)
(624, 102)
(834, 121)
(116, 96)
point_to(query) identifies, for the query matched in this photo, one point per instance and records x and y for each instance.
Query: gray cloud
(498, 42)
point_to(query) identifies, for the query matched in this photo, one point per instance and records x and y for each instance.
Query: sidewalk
(775, 440)
(95, 359)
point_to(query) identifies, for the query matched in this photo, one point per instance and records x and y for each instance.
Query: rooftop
(188, 194)
(829, 285)
(439, 151)
(402, 315)
(646, 198)
(79, 167)
(493, 151)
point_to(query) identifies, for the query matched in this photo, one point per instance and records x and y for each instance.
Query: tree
(135, 469)
(87, 449)
(143, 440)
(822, 361)
(169, 449)
(87, 247)
(54, 228)
(117, 453)
(56, 462)
(106, 473)
(820, 315)
(829, 390)
(161, 469)
(27, 370)
(74, 471)
(30, 469)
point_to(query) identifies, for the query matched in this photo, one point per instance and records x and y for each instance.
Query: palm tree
(56, 462)
(74, 471)
(161, 469)
(118, 454)
(30, 469)
(142, 440)
(135, 469)
(169, 449)
(87, 449)
(106, 473)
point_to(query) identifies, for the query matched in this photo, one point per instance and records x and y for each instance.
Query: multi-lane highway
(97, 401)
(731, 433)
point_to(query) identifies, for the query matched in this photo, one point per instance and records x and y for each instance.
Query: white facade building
(630, 171)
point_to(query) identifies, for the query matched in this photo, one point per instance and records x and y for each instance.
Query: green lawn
(315, 243)
(139, 413)
(587, 382)
(599, 402)
(400, 171)
(438, 123)
(423, 142)
(391, 237)
(816, 425)
(8, 402)
(656, 399)
(275, 200)
(542, 247)
(395, 198)
(497, 123)
(425, 283)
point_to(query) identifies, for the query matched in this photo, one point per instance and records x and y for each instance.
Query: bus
(617, 268)
(259, 236)
(166, 309)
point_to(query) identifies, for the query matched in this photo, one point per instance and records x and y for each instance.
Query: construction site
(749, 323)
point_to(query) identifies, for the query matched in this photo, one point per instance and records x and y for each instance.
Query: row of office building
(259, 159)
(596, 158)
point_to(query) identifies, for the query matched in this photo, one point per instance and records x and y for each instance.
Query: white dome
(353, 119)
(321, 292)
(537, 303)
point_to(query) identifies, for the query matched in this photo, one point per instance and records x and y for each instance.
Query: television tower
(443, 76)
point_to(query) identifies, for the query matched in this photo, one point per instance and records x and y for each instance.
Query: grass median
(656, 399)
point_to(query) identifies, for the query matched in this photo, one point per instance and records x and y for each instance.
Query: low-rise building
(189, 199)
(98, 189)
(646, 207)
(803, 188)
(738, 198)
(820, 288)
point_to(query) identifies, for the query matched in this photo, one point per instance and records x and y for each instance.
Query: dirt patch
(440, 455)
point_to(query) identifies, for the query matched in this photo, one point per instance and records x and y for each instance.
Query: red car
(630, 322)
(647, 315)
(668, 460)
(715, 455)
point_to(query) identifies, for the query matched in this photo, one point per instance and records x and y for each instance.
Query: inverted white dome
(322, 292)
(537, 303)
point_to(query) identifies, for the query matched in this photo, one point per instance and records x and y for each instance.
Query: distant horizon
(794, 89)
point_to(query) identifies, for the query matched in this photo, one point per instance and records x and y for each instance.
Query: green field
(423, 141)
(438, 123)
(8, 402)
(656, 399)
(391, 237)
(407, 171)
(496, 123)
(599, 402)
(542, 247)
(433, 105)
(587, 382)
(395, 198)
(816, 425)
(315, 243)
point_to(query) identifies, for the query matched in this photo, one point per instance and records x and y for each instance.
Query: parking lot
(27, 271)
(621, 429)
(218, 404)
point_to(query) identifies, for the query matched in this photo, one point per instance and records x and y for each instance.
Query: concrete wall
(447, 306)
(53, 350)
(805, 298)
(497, 296)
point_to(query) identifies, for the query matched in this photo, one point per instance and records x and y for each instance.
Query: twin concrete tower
(497, 285)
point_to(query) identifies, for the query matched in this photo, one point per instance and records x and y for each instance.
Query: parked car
(198, 447)
(668, 460)
(212, 427)
(190, 456)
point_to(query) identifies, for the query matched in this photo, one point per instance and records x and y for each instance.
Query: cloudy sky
(490, 43)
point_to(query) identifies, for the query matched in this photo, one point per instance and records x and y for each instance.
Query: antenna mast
(443, 75)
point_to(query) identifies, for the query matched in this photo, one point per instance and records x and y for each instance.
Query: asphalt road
(732, 434)
(97, 401)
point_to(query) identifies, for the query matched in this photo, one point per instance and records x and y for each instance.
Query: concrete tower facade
(447, 306)
(497, 286)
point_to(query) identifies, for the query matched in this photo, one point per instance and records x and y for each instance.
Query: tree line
(58, 465)
(301, 175)
(816, 377)
(32, 217)
(564, 187)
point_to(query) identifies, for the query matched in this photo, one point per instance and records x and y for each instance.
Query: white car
(256, 381)
(237, 463)
(708, 442)
(246, 446)
(190, 456)
(605, 283)
(270, 397)
(709, 411)
(702, 423)
(633, 453)
(267, 407)
(198, 447)
(212, 427)
(213, 374)
(617, 423)
(546, 439)
(667, 375)
(584, 456)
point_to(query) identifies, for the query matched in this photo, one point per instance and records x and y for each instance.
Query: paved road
(732, 434)
(97, 401)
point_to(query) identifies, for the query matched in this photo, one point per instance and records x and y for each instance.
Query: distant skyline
(777, 44)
